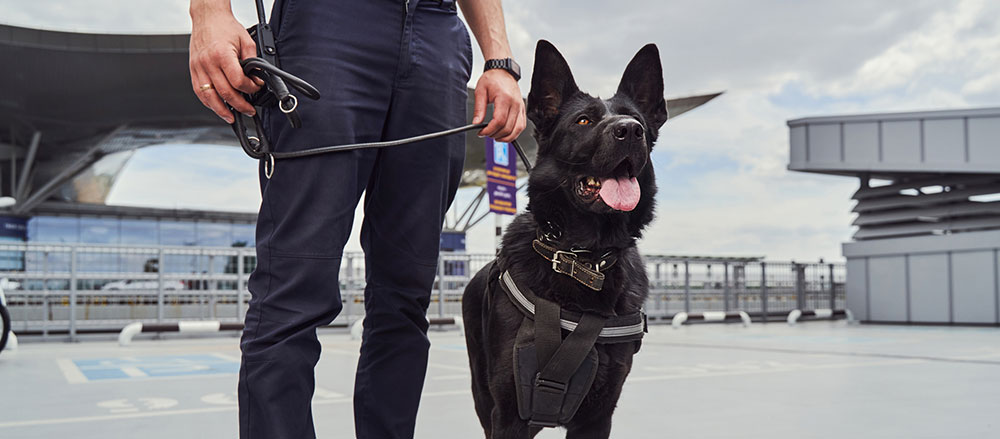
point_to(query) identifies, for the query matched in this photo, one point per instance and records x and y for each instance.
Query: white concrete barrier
(189, 327)
(823, 313)
(711, 316)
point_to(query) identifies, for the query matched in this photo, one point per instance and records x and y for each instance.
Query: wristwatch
(507, 64)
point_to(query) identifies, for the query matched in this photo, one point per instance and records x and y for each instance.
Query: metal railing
(67, 290)
(762, 289)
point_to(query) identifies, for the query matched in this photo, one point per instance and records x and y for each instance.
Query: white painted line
(327, 394)
(775, 370)
(449, 367)
(451, 377)
(342, 352)
(219, 399)
(449, 393)
(133, 372)
(226, 357)
(197, 411)
(56, 421)
(70, 371)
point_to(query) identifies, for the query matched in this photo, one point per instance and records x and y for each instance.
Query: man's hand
(218, 43)
(499, 88)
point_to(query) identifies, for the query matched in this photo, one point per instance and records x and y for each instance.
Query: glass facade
(125, 232)
(152, 231)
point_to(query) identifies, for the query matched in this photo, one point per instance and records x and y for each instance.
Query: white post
(498, 222)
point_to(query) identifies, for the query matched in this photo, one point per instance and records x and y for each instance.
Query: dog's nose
(627, 128)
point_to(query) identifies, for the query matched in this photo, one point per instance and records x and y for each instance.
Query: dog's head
(593, 154)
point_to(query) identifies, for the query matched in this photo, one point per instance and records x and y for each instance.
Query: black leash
(275, 92)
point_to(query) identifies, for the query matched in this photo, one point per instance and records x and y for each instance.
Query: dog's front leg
(507, 424)
(599, 428)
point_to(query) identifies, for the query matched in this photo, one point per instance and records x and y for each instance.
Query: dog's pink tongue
(621, 193)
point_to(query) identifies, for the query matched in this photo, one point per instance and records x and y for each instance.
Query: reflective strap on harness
(617, 329)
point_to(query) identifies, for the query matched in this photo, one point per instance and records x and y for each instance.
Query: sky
(721, 169)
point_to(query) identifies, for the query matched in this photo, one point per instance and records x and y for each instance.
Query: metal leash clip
(275, 92)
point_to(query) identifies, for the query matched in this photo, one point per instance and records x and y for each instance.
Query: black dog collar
(568, 262)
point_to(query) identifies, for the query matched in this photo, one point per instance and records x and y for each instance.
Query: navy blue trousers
(387, 69)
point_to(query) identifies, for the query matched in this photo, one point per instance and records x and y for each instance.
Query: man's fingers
(500, 109)
(248, 49)
(507, 133)
(234, 73)
(479, 108)
(229, 94)
(209, 97)
(519, 123)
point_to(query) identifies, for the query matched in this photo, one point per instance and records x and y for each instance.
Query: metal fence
(762, 289)
(60, 290)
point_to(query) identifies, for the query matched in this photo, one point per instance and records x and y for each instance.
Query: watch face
(507, 64)
(514, 68)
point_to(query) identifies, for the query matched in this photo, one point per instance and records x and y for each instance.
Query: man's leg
(308, 204)
(410, 191)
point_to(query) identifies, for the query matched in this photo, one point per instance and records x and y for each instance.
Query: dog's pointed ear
(643, 84)
(551, 84)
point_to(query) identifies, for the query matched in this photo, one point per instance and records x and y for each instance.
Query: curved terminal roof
(84, 97)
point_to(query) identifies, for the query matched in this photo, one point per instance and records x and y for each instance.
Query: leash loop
(293, 100)
(269, 170)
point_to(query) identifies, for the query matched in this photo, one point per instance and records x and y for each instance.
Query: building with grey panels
(928, 210)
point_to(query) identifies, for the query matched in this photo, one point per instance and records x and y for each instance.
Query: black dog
(591, 194)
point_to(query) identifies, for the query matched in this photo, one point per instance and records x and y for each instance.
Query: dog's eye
(583, 120)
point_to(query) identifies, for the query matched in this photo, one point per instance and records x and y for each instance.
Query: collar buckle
(555, 259)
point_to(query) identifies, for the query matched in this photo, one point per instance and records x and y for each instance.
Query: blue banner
(14, 227)
(501, 177)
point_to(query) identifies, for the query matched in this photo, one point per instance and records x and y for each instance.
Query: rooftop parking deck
(818, 379)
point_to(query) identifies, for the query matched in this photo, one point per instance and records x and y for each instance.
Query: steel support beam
(473, 205)
(22, 184)
(93, 155)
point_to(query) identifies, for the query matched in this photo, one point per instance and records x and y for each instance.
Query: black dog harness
(552, 374)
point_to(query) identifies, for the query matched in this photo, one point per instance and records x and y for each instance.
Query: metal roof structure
(943, 167)
(927, 247)
(75, 105)
(894, 144)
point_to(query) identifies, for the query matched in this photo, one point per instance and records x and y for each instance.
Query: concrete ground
(814, 380)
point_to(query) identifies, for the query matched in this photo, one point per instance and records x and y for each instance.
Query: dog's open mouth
(619, 192)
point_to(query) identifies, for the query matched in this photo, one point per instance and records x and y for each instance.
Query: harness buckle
(547, 402)
(555, 386)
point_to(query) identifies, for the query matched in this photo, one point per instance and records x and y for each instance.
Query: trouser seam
(267, 291)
